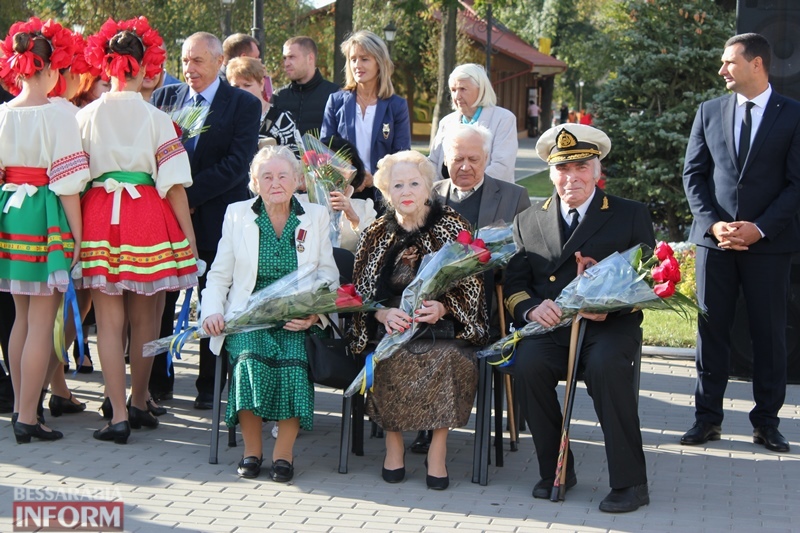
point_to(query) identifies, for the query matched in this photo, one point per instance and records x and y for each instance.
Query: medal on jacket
(386, 131)
(301, 238)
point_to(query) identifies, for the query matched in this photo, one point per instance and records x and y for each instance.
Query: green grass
(666, 328)
(538, 184)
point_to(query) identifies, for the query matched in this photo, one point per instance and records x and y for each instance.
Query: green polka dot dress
(270, 367)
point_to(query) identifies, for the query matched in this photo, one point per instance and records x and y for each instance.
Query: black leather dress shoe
(544, 487)
(625, 500)
(118, 432)
(249, 467)
(771, 438)
(701, 433)
(24, 432)
(138, 418)
(162, 396)
(204, 401)
(282, 471)
(422, 443)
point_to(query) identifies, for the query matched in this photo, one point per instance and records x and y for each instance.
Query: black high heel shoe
(24, 432)
(394, 476)
(107, 409)
(118, 432)
(139, 418)
(152, 408)
(436, 483)
(60, 405)
(88, 366)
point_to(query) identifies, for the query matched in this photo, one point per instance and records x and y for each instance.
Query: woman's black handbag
(330, 362)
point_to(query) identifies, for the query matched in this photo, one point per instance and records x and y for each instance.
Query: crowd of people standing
(104, 194)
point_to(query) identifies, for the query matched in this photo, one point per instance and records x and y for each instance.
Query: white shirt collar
(474, 189)
(581, 208)
(208, 93)
(760, 100)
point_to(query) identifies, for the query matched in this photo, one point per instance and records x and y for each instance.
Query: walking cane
(575, 343)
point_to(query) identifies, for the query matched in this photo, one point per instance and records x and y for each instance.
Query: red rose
(479, 243)
(310, 158)
(669, 270)
(347, 290)
(664, 290)
(348, 301)
(464, 237)
(178, 130)
(663, 251)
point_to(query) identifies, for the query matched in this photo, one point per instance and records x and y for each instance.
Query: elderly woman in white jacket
(475, 102)
(263, 240)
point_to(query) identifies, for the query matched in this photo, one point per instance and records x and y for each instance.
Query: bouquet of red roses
(439, 272)
(634, 278)
(326, 171)
(296, 295)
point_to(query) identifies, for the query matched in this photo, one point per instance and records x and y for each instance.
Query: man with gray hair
(578, 217)
(479, 198)
(220, 156)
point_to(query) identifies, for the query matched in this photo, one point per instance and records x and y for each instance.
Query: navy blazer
(765, 191)
(222, 156)
(391, 131)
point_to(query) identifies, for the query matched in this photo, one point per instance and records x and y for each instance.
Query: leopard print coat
(384, 242)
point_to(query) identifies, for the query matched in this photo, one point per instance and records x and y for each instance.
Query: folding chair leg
(358, 425)
(344, 438)
(214, 448)
(480, 462)
(512, 419)
(477, 443)
(498, 419)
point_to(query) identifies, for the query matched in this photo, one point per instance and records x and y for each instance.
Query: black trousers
(208, 361)
(606, 363)
(764, 281)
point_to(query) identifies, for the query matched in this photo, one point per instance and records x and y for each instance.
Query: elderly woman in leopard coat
(430, 383)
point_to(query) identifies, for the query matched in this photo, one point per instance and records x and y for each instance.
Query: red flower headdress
(117, 65)
(14, 65)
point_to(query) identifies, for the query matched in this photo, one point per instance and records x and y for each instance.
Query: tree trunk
(411, 89)
(343, 19)
(447, 62)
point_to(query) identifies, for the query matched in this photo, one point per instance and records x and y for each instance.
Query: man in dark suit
(742, 180)
(579, 217)
(220, 157)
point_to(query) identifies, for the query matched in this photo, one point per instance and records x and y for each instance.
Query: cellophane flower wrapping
(621, 280)
(188, 121)
(296, 295)
(439, 272)
(325, 171)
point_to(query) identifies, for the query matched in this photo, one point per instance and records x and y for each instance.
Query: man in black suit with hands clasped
(742, 180)
(220, 158)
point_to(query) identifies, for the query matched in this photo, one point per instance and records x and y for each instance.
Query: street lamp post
(389, 34)
(489, 38)
(227, 7)
(580, 97)
(258, 26)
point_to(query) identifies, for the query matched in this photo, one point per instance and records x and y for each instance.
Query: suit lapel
(728, 105)
(350, 115)
(490, 202)
(380, 119)
(771, 113)
(250, 235)
(549, 222)
(215, 113)
(597, 215)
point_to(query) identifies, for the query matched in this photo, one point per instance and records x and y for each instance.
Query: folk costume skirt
(36, 243)
(131, 238)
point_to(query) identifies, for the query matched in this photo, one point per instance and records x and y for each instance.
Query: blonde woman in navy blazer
(368, 96)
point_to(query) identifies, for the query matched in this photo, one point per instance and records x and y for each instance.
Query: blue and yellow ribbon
(508, 350)
(369, 374)
(183, 333)
(59, 328)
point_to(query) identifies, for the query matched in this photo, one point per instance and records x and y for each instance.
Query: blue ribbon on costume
(369, 373)
(182, 331)
(71, 301)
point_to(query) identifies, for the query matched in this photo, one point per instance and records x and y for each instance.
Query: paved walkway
(166, 483)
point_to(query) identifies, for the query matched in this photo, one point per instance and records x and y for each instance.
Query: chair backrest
(344, 262)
